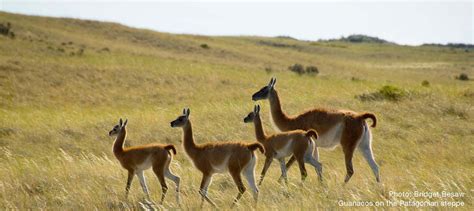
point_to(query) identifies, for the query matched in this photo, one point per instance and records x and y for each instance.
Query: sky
(404, 22)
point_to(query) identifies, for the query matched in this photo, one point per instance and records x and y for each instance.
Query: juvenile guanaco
(140, 158)
(211, 158)
(298, 143)
(334, 127)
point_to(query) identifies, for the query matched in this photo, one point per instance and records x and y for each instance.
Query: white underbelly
(222, 167)
(284, 151)
(145, 165)
(331, 138)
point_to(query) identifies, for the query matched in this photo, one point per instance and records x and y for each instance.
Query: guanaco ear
(125, 123)
(258, 109)
(273, 83)
(184, 110)
(120, 122)
(255, 109)
(188, 112)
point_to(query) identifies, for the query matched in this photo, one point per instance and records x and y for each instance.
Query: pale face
(115, 130)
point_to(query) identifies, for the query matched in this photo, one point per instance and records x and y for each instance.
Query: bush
(297, 68)
(5, 30)
(425, 83)
(392, 92)
(463, 77)
(300, 69)
(387, 92)
(205, 46)
(268, 69)
(104, 50)
(312, 70)
(80, 52)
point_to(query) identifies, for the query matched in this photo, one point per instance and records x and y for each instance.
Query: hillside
(65, 82)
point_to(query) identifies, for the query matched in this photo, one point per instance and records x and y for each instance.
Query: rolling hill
(64, 83)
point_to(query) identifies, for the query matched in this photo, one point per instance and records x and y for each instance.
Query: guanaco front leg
(129, 183)
(283, 169)
(141, 177)
(268, 161)
(206, 181)
(288, 165)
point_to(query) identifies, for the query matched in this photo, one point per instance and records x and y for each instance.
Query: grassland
(58, 103)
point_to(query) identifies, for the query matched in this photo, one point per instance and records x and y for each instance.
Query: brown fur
(296, 142)
(206, 157)
(323, 120)
(132, 157)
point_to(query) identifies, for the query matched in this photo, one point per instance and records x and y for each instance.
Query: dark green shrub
(268, 69)
(5, 30)
(297, 68)
(312, 70)
(387, 92)
(463, 77)
(425, 83)
(205, 46)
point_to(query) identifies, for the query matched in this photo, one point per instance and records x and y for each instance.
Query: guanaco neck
(119, 141)
(259, 132)
(188, 139)
(281, 120)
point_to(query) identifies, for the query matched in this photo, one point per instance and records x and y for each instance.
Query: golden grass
(57, 108)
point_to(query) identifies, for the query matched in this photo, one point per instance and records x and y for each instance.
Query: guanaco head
(264, 93)
(118, 128)
(251, 116)
(182, 120)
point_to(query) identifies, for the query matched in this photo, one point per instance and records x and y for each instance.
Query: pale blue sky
(404, 22)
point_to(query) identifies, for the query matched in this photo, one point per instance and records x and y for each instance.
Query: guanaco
(137, 159)
(347, 128)
(211, 158)
(298, 143)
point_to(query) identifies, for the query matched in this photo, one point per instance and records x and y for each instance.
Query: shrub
(80, 52)
(387, 92)
(392, 92)
(312, 70)
(297, 68)
(463, 77)
(425, 83)
(205, 46)
(5, 30)
(268, 69)
(104, 50)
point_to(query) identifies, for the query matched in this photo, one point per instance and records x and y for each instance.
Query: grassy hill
(64, 83)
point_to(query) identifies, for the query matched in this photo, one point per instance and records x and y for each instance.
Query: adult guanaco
(211, 158)
(137, 159)
(334, 127)
(298, 143)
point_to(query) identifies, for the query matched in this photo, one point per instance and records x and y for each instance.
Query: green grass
(56, 110)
